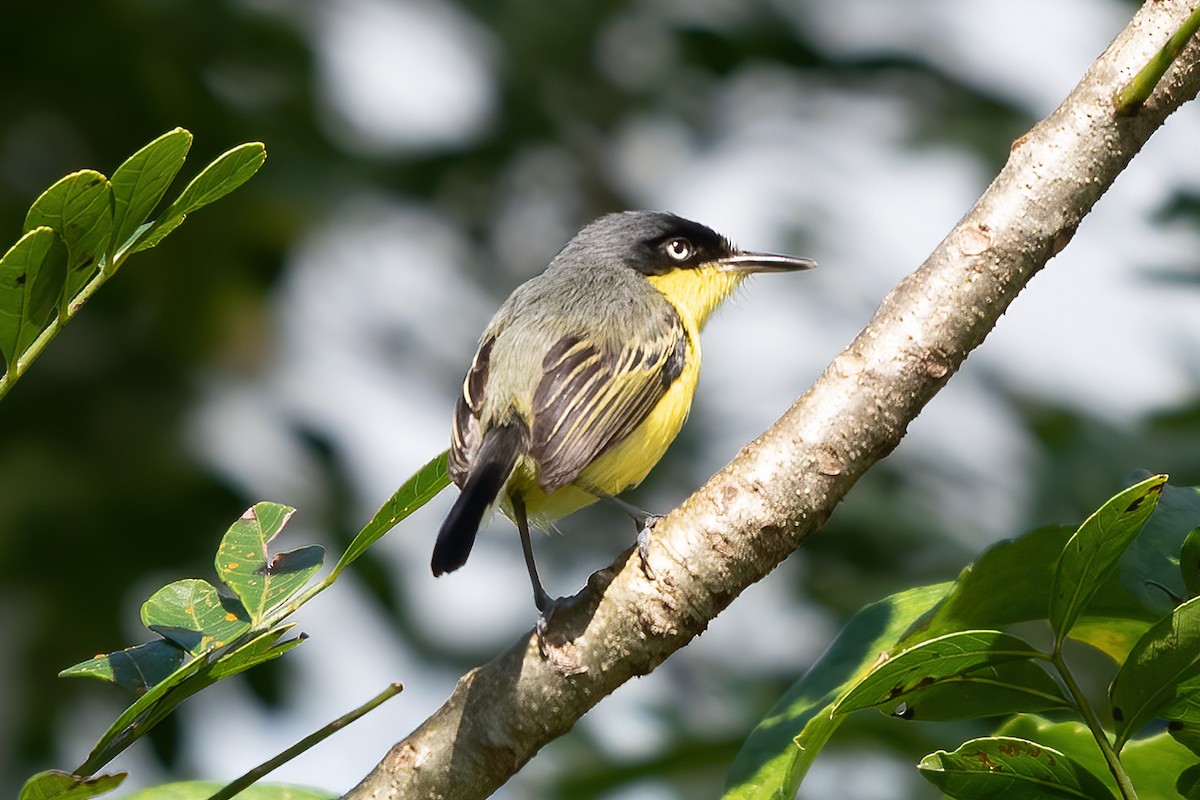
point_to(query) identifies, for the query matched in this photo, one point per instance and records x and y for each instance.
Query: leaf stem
(66, 312)
(306, 743)
(1095, 726)
(1130, 97)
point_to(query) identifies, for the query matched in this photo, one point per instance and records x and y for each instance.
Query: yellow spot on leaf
(231, 565)
(230, 616)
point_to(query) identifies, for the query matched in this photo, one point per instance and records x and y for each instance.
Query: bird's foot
(547, 608)
(643, 544)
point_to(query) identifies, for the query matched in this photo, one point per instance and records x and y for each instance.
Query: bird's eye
(678, 249)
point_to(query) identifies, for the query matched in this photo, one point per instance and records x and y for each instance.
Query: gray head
(655, 243)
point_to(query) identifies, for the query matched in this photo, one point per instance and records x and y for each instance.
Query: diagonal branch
(785, 484)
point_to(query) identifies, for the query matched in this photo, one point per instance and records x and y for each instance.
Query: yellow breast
(694, 293)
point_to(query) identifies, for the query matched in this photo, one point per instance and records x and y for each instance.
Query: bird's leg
(643, 520)
(540, 597)
(546, 605)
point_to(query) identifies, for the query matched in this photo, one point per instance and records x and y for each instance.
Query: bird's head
(693, 265)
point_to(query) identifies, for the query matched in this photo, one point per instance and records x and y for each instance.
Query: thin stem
(1130, 97)
(306, 743)
(21, 363)
(1094, 725)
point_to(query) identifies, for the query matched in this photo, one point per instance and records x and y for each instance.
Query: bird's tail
(497, 456)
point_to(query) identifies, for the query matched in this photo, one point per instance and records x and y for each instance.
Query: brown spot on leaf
(1117, 714)
(1135, 504)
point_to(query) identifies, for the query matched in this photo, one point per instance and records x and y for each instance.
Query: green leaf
(1092, 553)
(194, 615)
(141, 181)
(1114, 636)
(1003, 767)
(1150, 569)
(228, 172)
(80, 208)
(1152, 678)
(259, 650)
(416, 492)
(161, 699)
(1188, 783)
(58, 785)
(243, 565)
(930, 663)
(1152, 763)
(1187, 734)
(991, 691)
(1189, 563)
(202, 790)
(136, 668)
(32, 274)
(1011, 583)
(774, 758)
(145, 712)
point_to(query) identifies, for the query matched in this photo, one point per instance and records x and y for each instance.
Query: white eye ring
(678, 249)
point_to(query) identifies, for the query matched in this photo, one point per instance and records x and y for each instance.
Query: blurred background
(303, 340)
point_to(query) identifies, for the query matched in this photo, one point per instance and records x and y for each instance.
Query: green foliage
(931, 663)
(216, 631)
(208, 635)
(57, 785)
(32, 275)
(79, 232)
(418, 490)
(1005, 766)
(778, 753)
(954, 661)
(202, 790)
(1091, 555)
(1161, 676)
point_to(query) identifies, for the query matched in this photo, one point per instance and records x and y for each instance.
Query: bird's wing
(464, 437)
(590, 398)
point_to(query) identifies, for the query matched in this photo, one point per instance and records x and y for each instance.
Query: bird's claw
(643, 544)
(547, 608)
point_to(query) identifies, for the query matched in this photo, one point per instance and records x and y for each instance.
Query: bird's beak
(764, 262)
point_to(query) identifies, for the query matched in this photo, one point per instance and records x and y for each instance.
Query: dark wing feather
(590, 398)
(464, 437)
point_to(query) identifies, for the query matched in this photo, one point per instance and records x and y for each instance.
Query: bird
(585, 375)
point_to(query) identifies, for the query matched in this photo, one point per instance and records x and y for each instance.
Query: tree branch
(784, 485)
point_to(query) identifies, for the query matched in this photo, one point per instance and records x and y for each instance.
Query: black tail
(496, 459)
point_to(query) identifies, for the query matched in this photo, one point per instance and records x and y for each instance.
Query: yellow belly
(694, 293)
(621, 468)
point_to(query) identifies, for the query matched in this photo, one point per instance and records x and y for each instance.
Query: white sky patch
(401, 75)
(1030, 51)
